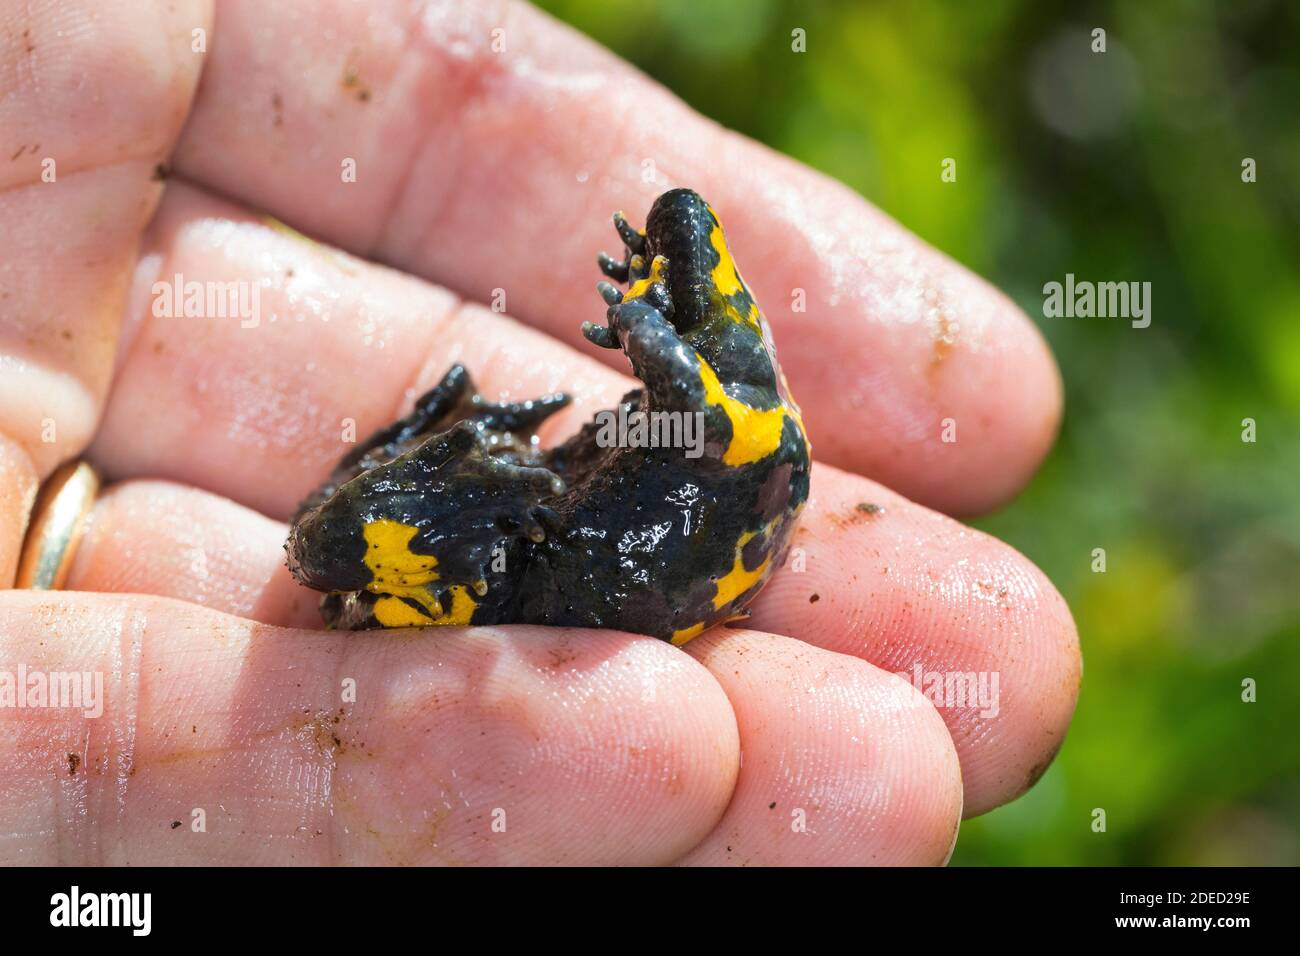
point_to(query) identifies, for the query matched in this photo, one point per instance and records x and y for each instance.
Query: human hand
(476, 171)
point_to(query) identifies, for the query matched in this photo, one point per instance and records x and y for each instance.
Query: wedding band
(58, 521)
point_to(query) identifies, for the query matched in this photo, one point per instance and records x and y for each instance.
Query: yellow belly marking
(738, 580)
(755, 433)
(397, 572)
(685, 634)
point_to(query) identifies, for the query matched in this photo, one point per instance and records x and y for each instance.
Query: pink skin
(598, 746)
(209, 711)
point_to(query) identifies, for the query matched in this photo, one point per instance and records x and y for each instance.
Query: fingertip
(916, 593)
(1000, 407)
(844, 764)
(1045, 670)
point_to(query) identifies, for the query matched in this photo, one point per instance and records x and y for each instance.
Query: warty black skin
(479, 525)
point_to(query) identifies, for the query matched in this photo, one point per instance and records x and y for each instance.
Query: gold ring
(58, 521)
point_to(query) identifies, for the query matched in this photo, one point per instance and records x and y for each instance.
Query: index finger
(484, 145)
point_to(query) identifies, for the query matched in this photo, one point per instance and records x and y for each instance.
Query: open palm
(489, 146)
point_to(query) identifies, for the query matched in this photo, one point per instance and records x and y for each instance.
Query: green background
(1122, 166)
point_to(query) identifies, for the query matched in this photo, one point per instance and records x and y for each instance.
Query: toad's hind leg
(517, 417)
(388, 442)
(510, 424)
(455, 389)
(452, 400)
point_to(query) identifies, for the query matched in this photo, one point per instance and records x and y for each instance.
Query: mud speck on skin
(561, 656)
(814, 598)
(997, 592)
(945, 340)
(319, 730)
(863, 511)
(1037, 770)
(74, 761)
(352, 81)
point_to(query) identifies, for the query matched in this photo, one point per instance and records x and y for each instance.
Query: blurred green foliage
(1119, 166)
